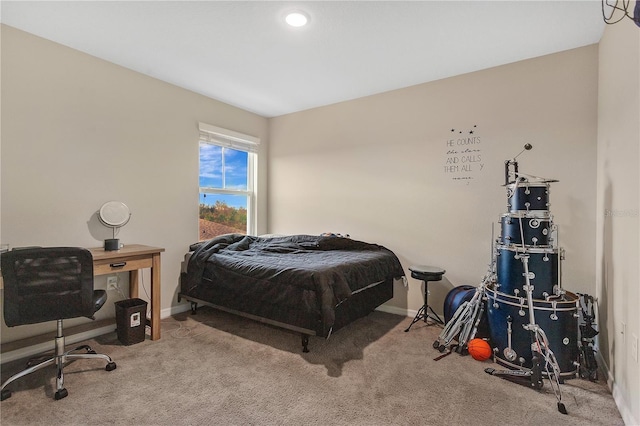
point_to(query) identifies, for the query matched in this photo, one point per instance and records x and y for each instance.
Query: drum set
(532, 321)
(531, 317)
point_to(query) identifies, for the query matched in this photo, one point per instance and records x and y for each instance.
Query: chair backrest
(46, 284)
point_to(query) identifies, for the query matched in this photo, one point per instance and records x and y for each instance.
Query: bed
(314, 285)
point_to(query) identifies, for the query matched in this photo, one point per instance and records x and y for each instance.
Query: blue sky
(212, 169)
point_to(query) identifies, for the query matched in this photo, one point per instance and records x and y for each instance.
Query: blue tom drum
(543, 270)
(528, 197)
(525, 229)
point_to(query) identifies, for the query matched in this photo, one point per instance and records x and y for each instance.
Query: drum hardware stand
(451, 349)
(466, 319)
(526, 176)
(540, 344)
(508, 352)
(588, 364)
(561, 257)
(533, 376)
(524, 376)
(509, 163)
(510, 169)
(470, 328)
(521, 233)
(476, 323)
(452, 328)
(539, 348)
(464, 323)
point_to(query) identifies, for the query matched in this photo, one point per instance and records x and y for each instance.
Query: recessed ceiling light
(297, 19)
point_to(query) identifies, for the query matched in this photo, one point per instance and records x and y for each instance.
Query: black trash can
(131, 319)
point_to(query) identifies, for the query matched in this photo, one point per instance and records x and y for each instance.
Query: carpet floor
(217, 369)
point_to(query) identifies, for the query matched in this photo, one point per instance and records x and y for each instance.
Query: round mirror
(114, 214)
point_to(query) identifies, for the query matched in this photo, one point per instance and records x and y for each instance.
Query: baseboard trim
(397, 311)
(618, 396)
(174, 310)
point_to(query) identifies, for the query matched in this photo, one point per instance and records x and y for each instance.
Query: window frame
(230, 139)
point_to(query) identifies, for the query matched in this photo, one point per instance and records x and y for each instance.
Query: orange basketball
(479, 349)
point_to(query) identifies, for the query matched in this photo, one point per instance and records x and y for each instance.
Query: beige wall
(375, 167)
(78, 131)
(618, 206)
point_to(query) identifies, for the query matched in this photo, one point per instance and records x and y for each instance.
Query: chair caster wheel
(436, 344)
(6, 393)
(62, 393)
(111, 366)
(441, 348)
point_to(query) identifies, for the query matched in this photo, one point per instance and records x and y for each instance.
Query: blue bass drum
(543, 270)
(511, 343)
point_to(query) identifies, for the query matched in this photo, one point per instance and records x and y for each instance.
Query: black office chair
(50, 284)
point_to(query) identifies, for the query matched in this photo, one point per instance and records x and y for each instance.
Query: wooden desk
(131, 258)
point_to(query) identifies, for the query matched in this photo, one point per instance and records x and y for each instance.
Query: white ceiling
(242, 53)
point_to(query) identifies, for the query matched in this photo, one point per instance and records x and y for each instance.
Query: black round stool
(426, 274)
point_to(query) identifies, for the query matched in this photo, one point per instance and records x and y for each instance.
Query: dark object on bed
(311, 284)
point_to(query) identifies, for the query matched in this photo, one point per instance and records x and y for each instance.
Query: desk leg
(155, 297)
(133, 284)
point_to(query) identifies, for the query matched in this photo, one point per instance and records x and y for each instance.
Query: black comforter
(311, 273)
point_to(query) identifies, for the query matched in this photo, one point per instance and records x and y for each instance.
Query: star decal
(471, 132)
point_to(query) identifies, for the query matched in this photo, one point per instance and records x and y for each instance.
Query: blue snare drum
(558, 318)
(543, 270)
(519, 229)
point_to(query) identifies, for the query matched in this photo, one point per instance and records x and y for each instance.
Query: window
(227, 178)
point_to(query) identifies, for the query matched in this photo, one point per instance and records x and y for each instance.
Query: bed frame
(360, 304)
